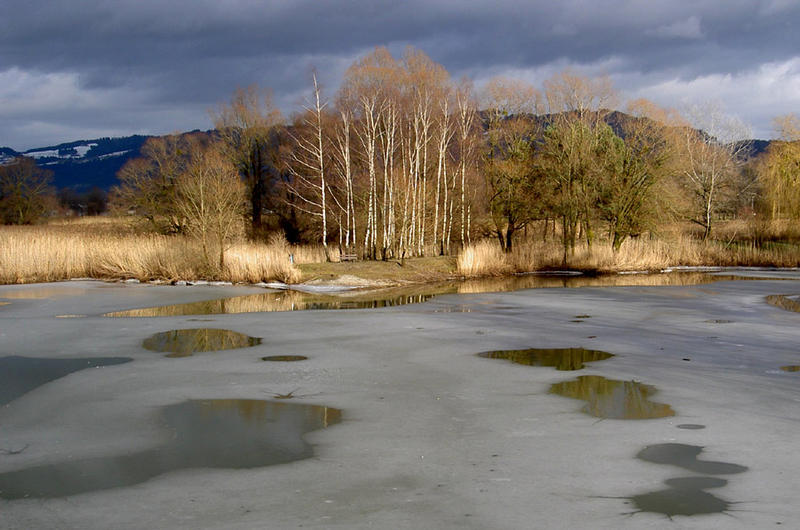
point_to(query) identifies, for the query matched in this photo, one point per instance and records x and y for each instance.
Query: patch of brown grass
(412, 270)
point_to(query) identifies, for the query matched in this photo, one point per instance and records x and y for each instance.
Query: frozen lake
(461, 411)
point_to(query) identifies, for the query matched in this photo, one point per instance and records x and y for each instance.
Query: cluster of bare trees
(389, 165)
(401, 162)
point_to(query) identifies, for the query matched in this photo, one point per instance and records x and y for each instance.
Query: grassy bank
(376, 272)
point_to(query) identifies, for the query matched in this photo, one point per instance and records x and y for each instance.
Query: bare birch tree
(343, 167)
(467, 112)
(308, 162)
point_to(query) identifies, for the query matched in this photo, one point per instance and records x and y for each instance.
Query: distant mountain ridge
(83, 164)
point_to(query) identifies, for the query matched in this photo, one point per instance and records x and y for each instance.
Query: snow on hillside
(42, 154)
(115, 153)
(7, 155)
(68, 152)
(83, 149)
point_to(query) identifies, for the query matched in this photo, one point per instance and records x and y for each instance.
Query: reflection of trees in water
(227, 433)
(540, 281)
(183, 342)
(610, 398)
(256, 411)
(41, 292)
(272, 301)
(291, 300)
(280, 301)
(784, 302)
(558, 358)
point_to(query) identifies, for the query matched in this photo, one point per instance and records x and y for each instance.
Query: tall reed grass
(53, 252)
(485, 258)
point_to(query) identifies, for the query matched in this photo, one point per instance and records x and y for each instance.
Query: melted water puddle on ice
(19, 375)
(216, 433)
(685, 495)
(605, 398)
(558, 358)
(686, 457)
(613, 399)
(284, 358)
(185, 342)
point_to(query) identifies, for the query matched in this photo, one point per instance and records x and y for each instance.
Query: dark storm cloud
(72, 68)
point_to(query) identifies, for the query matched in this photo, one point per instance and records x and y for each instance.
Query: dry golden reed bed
(109, 250)
(485, 258)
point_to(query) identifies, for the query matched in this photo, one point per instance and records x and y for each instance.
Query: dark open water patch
(691, 426)
(19, 375)
(613, 399)
(685, 496)
(185, 342)
(558, 358)
(284, 358)
(685, 456)
(219, 433)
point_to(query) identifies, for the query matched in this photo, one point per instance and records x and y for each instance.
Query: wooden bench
(348, 257)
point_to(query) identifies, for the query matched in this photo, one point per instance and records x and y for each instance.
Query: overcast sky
(80, 69)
